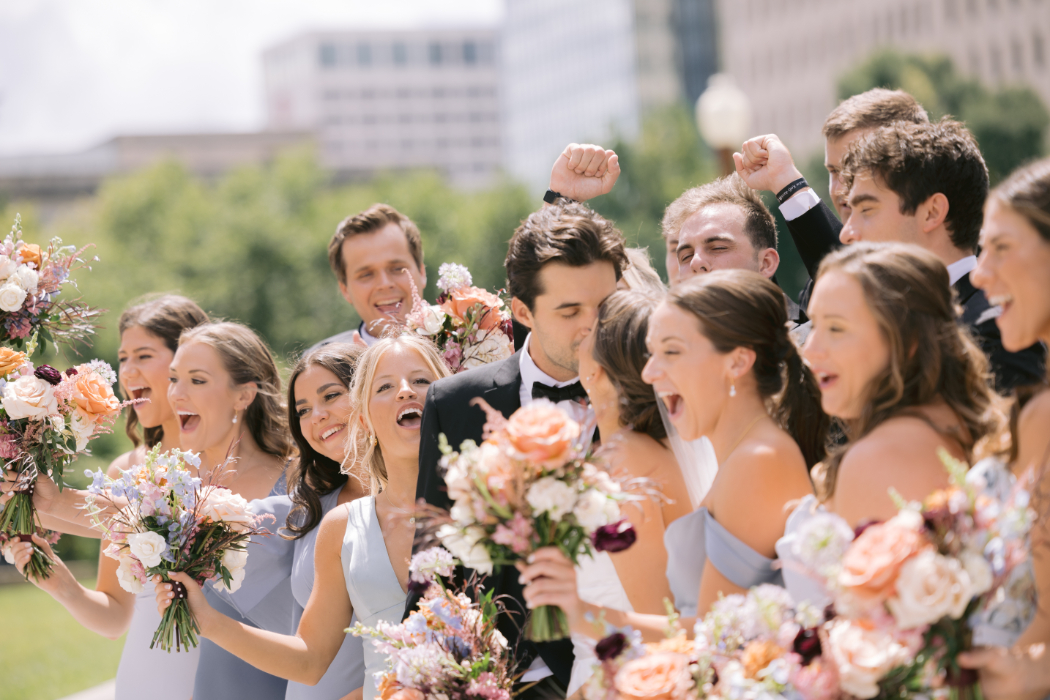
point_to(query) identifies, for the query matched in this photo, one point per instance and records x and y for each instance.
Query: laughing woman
(149, 336)
(363, 547)
(225, 390)
(1014, 271)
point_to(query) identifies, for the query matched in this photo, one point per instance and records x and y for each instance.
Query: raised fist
(764, 163)
(584, 171)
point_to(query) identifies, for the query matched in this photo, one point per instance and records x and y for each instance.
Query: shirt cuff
(537, 671)
(799, 205)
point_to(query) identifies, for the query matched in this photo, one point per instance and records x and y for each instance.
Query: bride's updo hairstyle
(164, 317)
(931, 356)
(363, 450)
(248, 361)
(311, 474)
(740, 308)
(619, 348)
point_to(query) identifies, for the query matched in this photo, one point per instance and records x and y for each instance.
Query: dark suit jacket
(816, 234)
(448, 411)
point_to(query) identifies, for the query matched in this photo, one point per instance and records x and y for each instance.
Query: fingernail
(531, 558)
(521, 580)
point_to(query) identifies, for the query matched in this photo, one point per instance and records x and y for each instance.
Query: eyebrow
(861, 198)
(567, 305)
(395, 261)
(322, 389)
(199, 371)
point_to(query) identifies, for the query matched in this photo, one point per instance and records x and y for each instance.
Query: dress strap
(734, 559)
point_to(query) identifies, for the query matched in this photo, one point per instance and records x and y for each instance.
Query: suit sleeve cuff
(799, 205)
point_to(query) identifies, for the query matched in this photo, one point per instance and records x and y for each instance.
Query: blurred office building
(391, 100)
(787, 56)
(589, 70)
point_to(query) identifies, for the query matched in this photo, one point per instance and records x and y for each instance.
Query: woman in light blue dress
(724, 366)
(363, 547)
(319, 413)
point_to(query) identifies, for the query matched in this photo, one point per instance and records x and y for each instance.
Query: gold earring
(374, 440)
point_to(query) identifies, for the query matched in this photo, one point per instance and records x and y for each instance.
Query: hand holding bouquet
(47, 418)
(470, 326)
(449, 647)
(173, 522)
(529, 485)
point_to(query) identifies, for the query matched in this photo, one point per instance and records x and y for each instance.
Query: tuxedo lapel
(965, 289)
(505, 393)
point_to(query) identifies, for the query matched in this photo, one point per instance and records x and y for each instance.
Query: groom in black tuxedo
(563, 261)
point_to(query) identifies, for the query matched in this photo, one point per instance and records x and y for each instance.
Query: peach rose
(542, 434)
(94, 396)
(863, 654)
(408, 694)
(758, 655)
(10, 360)
(31, 254)
(388, 686)
(660, 676)
(872, 563)
(461, 300)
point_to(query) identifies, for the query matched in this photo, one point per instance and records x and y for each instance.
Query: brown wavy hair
(165, 317)
(311, 474)
(619, 348)
(248, 361)
(931, 356)
(740, 308)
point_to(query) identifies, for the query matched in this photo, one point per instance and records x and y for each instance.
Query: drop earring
(235, 419)
(732, 390)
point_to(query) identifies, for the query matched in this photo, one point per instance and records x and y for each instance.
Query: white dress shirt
(369, 339)
(799, 204)
(958, 269)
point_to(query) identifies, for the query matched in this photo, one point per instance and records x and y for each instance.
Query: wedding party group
(594, 483)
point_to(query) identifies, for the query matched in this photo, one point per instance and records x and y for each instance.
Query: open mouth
(674, 403)
(389, 306)
(188, 421)
(410, 417)
(140, 392)
(826, 380)
(332, 432)
(1003, 301)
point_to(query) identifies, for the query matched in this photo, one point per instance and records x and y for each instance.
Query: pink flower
(874, 560)
(453, 355)
(486, 685)
(516, 536)
(8, 446)
(817, 681)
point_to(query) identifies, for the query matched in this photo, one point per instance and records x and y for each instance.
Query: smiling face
(564, 313)
(686, 371)
(1014, 272)
(715, 238)
(322, 403)
(876, 215)
(834, 151)
(846, 349)
(143, 360)
(380, 271)
(395, 401)
(203, 396)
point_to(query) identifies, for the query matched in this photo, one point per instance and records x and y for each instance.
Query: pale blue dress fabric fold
(371, 582)
(220, 674)
(274, 565)
(694, 538)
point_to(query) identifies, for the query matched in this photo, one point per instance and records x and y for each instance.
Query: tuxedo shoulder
(469, 383)
(344, 337)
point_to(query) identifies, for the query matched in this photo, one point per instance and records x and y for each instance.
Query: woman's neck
(607, 418)
(240, 449)
(400, 488)
(740, 415)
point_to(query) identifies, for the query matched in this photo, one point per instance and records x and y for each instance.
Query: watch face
(550, 196)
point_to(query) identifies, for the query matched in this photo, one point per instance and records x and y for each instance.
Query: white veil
(696, 459)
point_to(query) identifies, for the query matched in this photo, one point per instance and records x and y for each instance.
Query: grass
(46, 654)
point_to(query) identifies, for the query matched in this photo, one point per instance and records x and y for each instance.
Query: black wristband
(785, 194)
(550, 195)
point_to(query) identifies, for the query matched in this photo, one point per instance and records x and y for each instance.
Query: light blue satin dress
(373, 586)
(274, 565)
(692, 540)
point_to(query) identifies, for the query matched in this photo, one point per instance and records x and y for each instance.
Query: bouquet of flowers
(749, 647)
(47, 418)
(470, 326)
(31, 279)
(169, 520)
(448, 647)
(49, 536)
(530, 484)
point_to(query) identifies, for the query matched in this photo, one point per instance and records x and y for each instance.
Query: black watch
(551, 195)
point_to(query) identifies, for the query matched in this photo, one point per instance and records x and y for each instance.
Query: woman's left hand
(550, 579)
(1007, 673)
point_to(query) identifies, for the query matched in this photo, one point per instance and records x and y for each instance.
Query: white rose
(11, 296)
(549, 495)
(126, 576)
(461, 512)
(908, 518)
(236, 579)
(26, 278)
(979, 571)
(7, 267)
(594, 509)
(467, 547)
(29, 397)
(235, 560)
(863, 656)
(8, 557)
(492, 347)
(432, 318)
(224, 505)
(147, 547)
(83, 428)
(929, 587)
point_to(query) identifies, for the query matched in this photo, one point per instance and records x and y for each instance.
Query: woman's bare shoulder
(1033, 430)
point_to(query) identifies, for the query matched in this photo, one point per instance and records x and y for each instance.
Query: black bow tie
(572, 392)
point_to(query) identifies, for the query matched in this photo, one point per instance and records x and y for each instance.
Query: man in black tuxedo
(913, 182)
(563, 261)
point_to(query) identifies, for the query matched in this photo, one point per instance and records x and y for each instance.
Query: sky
(76, 72)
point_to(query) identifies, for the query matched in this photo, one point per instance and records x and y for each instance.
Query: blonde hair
(363, 449)
(640, 275)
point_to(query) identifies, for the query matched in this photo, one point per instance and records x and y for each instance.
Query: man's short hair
(916, 161)
(566, 232)
(371, 220)
(759, 223)
(874, 108)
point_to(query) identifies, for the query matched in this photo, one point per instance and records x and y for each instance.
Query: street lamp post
(723, 115)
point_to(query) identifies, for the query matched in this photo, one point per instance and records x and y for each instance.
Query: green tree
(1009, 123)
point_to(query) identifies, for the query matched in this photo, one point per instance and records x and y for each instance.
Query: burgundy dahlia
(49, 374)
(614, 537)
(610, 647)
(807, 645)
